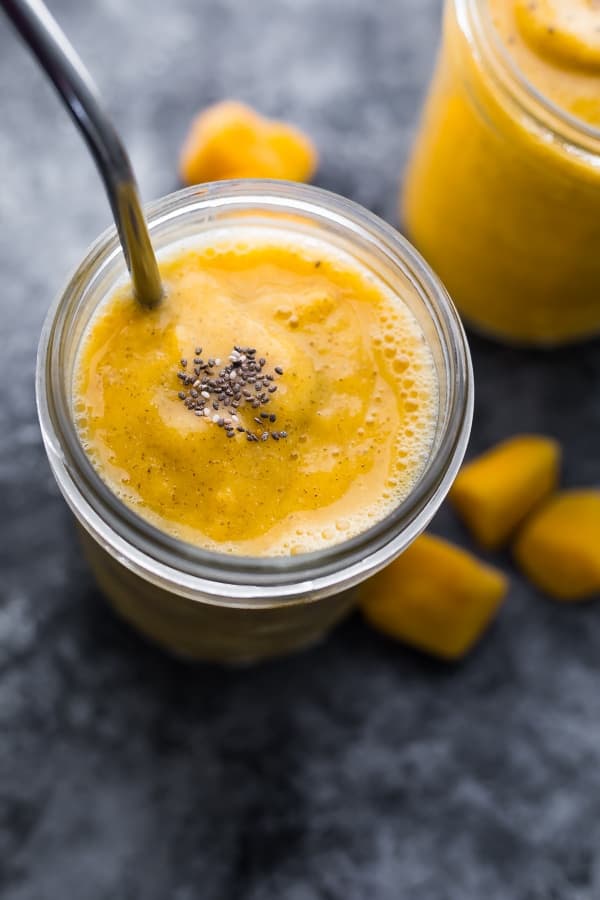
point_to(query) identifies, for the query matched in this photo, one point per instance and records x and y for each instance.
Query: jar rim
(190, 570)
(478, 28)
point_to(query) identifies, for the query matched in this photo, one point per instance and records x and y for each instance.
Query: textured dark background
(359, 769)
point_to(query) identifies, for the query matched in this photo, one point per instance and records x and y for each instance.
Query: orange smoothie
(556, 44)
(281, 399)
(502, 192)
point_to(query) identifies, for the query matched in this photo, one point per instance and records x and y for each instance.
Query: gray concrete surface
(359, 769)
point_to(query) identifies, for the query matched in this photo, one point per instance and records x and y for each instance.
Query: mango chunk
(496, 491)
(435, 596)
(558, 548)
(231, 140)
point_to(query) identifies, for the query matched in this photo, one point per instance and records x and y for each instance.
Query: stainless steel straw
(74, 84)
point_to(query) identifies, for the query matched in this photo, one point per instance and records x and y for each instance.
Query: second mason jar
(502, 191)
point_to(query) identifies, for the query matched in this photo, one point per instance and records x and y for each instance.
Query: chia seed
(241, 382)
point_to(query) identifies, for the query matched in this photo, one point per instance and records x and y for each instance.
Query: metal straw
(76, 88)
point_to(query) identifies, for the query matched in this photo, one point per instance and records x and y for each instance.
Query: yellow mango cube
(435, 596)
(231, 140)
(558, 547)
(496, 491)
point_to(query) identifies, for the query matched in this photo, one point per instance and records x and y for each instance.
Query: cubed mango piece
(496, 491)
(558, 547)
(231, 140)
(436, 596)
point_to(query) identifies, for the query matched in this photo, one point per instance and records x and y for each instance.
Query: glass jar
(502, 192)
(209, 605)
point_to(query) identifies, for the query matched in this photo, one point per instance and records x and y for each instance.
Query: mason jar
(218, 606)
(502, 192)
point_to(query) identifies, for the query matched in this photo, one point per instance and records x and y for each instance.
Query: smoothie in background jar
(280, 427)
(502, 192)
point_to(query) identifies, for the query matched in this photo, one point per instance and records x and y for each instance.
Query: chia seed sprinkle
(242, 382)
